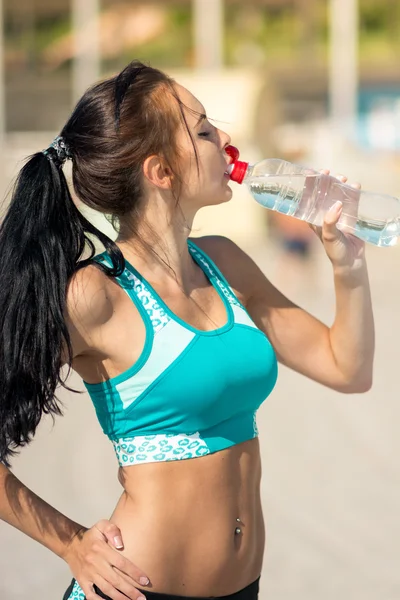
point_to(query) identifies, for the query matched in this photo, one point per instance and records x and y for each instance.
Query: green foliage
(254, 34)
(172, 49)
(50, 30)
(45, 30)
(374, 17)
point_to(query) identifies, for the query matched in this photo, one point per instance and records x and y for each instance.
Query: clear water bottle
(307, 195)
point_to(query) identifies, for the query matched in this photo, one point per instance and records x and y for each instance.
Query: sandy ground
(331, 467)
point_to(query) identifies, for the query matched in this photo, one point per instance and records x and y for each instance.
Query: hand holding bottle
(308, 195)
(344, 250)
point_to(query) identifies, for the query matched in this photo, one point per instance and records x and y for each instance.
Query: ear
(157, 172)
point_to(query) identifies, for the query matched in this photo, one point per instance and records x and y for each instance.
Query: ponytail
(44, 240)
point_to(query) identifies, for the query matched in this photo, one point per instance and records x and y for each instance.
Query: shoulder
(237, 266)
(89, 304)
(223, 251)
(88, 294)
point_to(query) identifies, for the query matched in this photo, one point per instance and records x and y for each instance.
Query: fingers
(118, 574)
(123, 584)
(126, 566)
(109, 557)
(115, 589)
(327, 172)
(329, 229)
(94, 559)
(106, 590)
(90, 594)
(356, 185)
(112, 533)
(342, 178)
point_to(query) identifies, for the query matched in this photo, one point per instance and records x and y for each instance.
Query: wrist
(69, 545)
(352, 275)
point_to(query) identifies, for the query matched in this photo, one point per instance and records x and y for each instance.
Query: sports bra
(191, 392)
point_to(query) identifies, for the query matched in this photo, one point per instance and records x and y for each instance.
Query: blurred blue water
(378, 119)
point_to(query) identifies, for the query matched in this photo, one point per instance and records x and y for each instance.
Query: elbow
(359, 385)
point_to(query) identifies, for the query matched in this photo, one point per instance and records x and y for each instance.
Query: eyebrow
(201, 118)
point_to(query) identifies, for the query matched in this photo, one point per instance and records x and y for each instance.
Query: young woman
(177, 341)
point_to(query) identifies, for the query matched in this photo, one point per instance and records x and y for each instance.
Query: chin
(216, 199)
(227, 195)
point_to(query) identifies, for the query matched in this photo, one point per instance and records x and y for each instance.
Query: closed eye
(204, 133)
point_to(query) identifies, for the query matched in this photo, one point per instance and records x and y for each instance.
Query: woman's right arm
(22, 509)
(91, 554)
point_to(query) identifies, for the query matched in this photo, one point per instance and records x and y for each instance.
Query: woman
(177, 341)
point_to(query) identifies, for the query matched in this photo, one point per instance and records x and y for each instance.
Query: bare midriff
(179, 521)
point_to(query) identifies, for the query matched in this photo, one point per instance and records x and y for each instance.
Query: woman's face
(204, 184)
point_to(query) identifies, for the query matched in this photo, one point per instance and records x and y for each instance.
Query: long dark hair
(44, 238)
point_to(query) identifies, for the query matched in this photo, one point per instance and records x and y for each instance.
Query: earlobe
(157, 173)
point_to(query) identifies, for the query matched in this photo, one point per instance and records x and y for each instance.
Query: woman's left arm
(340, 356)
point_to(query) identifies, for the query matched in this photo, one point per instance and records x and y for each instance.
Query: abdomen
(178, 521)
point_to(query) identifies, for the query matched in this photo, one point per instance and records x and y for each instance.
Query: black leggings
(248, 593)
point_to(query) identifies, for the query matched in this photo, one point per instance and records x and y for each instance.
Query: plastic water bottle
(307, 195)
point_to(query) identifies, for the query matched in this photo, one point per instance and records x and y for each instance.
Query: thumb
(112, 533)
(329, 229)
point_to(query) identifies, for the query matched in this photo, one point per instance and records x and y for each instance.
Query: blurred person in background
(176, 339)
(295, 237)
(293, 267)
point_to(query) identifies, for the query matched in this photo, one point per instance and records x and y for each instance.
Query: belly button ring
(238, 530)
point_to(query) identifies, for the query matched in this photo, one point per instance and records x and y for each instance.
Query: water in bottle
(307, 195)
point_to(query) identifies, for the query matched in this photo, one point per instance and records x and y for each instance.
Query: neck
(158, 242)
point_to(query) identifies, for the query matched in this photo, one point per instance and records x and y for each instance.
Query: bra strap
(213, 272)
(140, 294)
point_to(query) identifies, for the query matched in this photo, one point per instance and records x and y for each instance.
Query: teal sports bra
(191, 392)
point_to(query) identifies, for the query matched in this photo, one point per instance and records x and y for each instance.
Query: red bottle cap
(239, 171)
(233, 153)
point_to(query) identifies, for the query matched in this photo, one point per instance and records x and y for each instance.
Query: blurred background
(311, 81)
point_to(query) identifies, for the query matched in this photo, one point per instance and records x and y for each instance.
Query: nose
(225, 139)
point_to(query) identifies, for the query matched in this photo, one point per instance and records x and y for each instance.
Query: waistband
(250, 592)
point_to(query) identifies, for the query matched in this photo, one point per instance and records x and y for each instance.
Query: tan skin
(178, 519)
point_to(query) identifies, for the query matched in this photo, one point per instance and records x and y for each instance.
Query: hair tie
(58, 151)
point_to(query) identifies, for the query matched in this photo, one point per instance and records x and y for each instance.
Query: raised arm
(339, 356)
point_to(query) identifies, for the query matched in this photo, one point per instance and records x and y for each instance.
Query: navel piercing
(238, 530)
